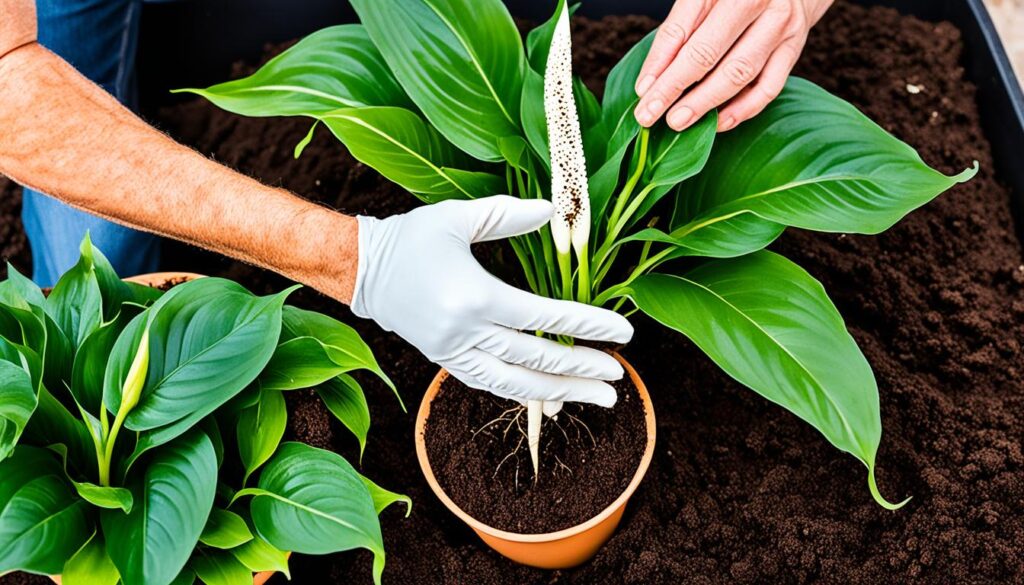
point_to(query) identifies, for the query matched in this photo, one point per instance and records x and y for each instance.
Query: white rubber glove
(418, 278)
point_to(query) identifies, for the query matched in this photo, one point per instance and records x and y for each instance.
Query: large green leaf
(18, 401)
(337, 67)
(259, 555)
(809, 160)
(260, 429)
(19, 291)
(344, 397)
(42, 522)
(172, 503)
(461, 62)
(315, 348)
(225, 529)
(53, 424)
(75, 303)
(771, 326)
(400, 145)
(208, 339)
(91, 565)
(312, 501)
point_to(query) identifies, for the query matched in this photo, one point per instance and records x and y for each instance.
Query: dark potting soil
(478, 451)
(739, 491)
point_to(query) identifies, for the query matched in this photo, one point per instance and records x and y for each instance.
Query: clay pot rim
(619, 502)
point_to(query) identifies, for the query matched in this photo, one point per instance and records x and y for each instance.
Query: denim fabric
(99, 38)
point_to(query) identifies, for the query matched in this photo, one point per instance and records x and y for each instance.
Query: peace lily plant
(140, 432)
(443, 98)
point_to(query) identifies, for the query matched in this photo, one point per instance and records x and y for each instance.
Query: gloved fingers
(481, 370)
(551, 407)
(518, 309)
(501, 216)
(545, 355)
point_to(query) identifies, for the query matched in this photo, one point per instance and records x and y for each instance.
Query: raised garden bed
(739, 490)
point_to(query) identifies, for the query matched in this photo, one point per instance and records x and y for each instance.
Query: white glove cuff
(359, 295)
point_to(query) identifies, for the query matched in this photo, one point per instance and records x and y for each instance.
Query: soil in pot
(739, 491)
(477, 447)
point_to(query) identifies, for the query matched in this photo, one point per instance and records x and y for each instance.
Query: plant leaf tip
(873, 487)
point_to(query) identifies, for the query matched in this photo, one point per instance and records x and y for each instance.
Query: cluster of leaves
(192, 377)
(443, 98)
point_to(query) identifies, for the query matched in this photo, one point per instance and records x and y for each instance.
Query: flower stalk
(131, 391)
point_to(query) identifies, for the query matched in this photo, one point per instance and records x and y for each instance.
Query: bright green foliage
(679, 203)
(83, 497)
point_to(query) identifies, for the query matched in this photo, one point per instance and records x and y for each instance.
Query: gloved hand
(418, 278)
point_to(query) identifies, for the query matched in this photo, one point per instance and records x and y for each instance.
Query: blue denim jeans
(99, 38)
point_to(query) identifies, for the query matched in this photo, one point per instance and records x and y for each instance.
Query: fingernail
(681, 118)
(642, 116)
(727, 123)
(644, 85)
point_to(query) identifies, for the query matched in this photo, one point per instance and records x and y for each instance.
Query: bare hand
(718, 51)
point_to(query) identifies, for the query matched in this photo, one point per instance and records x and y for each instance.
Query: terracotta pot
(156, 279)
(554, 550)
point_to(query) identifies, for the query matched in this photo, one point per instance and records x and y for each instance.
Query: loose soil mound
(739, 490)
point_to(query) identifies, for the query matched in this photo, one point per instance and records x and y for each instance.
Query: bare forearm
(64, 136)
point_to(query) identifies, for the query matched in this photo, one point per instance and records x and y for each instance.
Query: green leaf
(219, 568)
(400, 145)
(620, 97)
(90, 362)
(107, 497)
(75, 303)
(315, 348)
(344, 397)
(771, 326)
(18, 291)
(259, 555)
(52, 424)
(18, 400)
(90, 565)
(224, 530)
(301, 146)
(208, 340)
(312, 501)
(383, 498)
(42, 522)
(337, 67)
(809, 160)
(467, 74)
(260, 429)
(531, 111)
(172, 503)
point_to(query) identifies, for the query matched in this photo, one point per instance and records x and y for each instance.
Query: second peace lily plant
(442, 97)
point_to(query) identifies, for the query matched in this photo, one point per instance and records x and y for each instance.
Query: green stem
(108, 452)
(627, 190)
(565, 268)
(583, 295)
(531, 279)
(619, 289)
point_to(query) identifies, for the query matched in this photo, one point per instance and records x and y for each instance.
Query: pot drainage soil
(477, 448)
(739, 490)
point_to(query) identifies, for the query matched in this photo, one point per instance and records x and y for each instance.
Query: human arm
(731, 53)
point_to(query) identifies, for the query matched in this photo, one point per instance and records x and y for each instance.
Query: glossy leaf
(18, 401)
(620, 97)
(173, 500)
(90, 565)
(337, 67)
(315, 348)
(260, 429)
(259, 555)
(208, 340)
(215, 567)
(108, 497)
(18, 291)
(771, 326)
(224, 529)
(312, 501)
(809, 160)
(400, 145)
(42, 522)
(344, 397)
(53, 424)
(75, 303)
(383, 498)
(465, 74)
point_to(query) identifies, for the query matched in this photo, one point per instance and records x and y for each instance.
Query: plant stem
(108, 452)
(565, 268)
(583, 294)
(627, 190)
(531, 280)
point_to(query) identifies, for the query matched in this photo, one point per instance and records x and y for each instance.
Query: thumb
(502, 216)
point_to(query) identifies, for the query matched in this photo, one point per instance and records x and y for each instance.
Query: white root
(534, 418)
